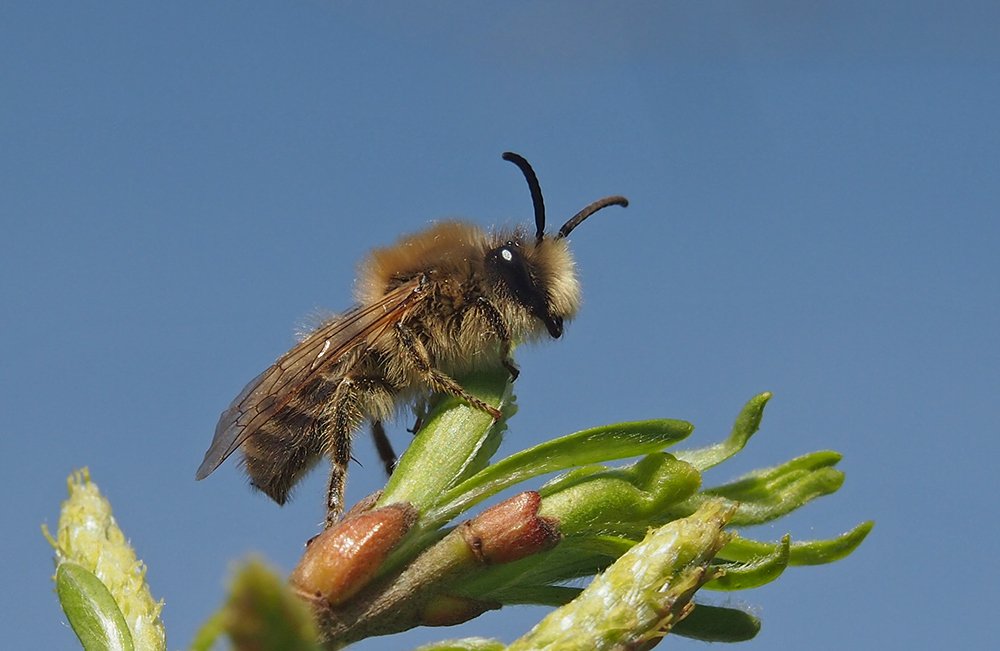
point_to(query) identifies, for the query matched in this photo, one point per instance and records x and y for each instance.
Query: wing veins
(268, 393)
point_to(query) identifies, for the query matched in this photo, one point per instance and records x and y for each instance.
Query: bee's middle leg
(438, 381)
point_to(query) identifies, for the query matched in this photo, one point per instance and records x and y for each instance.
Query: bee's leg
(495, 319)
(420, 409)
(338, 478)
(384, 447)
(438, 381)
(354, 398)
(343, 418)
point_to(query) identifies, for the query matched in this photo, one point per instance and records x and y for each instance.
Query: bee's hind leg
(384, 447)
(340, 455)
(354, 397)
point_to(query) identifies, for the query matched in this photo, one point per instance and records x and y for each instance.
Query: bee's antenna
(536, 191)
(578, 218)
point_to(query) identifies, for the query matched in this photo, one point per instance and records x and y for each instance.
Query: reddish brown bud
(344, 558)
(511, 530)
(364, 504)
(446, 610)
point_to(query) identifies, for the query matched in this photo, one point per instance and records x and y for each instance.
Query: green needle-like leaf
(802, 491)
(763, 484)
(91, 610)
(586, 447)
(743, 576)
(717, 624)
(766, 501)
(572, 558)
(808, 552)
(536, 595)
(747, 423)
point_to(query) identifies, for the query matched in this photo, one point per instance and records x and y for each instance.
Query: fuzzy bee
(437, 304)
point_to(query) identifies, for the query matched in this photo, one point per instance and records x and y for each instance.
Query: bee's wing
(270, 391)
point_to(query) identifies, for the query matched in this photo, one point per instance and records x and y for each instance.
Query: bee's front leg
(495, 319)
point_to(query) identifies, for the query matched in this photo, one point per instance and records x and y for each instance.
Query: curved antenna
(536, 191)
(577, 219)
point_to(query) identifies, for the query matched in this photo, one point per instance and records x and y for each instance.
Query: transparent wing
(270, 391)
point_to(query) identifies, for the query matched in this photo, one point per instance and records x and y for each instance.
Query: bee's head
(538, 275)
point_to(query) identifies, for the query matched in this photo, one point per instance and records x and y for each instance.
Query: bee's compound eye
(510, 264)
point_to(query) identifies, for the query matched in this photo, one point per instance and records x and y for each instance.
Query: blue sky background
(814, 208)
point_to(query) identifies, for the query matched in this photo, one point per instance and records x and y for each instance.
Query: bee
(437, 304)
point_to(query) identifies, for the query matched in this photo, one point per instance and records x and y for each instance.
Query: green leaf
(789, 498)
(586, 447)
(536, 595)
(601, 513)
(766, 501)
(808, 552)
(91, 610)
(763, 484)
(574, 557)
(597, 501)
(454, 439)
(747, 423)
(717, 624)
(760, 571)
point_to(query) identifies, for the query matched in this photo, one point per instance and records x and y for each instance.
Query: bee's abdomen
(287, 446)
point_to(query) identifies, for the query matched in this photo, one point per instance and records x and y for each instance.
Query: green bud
(88, 535)
(263, 614)
(642, 595)
(592, 500)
